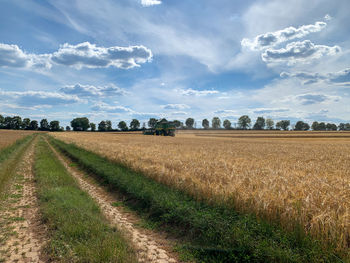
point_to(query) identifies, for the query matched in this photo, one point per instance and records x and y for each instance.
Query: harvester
(162, 128)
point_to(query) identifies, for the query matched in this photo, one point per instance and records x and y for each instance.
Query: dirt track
(149, 247)
(20, 217)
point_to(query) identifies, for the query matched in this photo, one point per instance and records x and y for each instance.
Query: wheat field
(285, 177)
(7, 137)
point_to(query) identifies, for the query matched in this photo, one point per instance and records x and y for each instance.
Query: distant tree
(331, 127)
(216, 123)
(227, 124)
(67, 128)
(314, 126)
(244, 122)
(25, 124)
(33, 125)
(54, 125)
(205, 124)
(259, 123)
(16, 123)
(347, 126)
(2, 120)
(7, 122)
(301, 126)
(123, 126)
(341, 126)
(178, 124)
(152, 122)
(44, 125)
(284, 124)
(322, 126)
(109, 125)
(270, 124)
(102, 126)
(189, 123)
(92, 126)
(80, 124)
(134, 124)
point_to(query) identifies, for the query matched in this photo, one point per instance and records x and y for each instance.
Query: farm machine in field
(162, 128)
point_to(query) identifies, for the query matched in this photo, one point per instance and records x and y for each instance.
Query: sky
(125, 59)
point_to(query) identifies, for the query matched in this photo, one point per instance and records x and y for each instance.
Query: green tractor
(162, 128)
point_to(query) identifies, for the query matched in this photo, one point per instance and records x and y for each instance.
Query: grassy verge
(9, 157)
(212, 234)
(78, 231)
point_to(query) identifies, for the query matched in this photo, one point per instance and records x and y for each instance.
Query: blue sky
(128, 59)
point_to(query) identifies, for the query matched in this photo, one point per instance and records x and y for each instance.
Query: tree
(108, 125)
(33, 125)
(134, 124)
(314, 126)
(322, 126)
(269, 124)
(67, 128)
(122, 125)
(54, 125)
(259, 123)
(7, 122)
(102, 126)
(2, 120)
(205, 124)
(25, 124)
(216, 123)
(44, 125)
(16, 123)
(284, 124)
(178, 124)
(341, 126)
(301, 126)
(244, 122)
(92, 126)
(152, 122)
(331, 127)
(227, 124)
(189, 123)
(80, 124)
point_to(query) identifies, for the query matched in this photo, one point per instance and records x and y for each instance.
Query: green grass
(78, 231)
(212, 233)
(9, 157)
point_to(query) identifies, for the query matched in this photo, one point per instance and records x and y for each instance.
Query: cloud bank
(92, 91)
(300, 51)
(271, 39)
(150, 2)
(78, 56)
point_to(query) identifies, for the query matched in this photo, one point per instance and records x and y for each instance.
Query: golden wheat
(303, 179)
(8, 137)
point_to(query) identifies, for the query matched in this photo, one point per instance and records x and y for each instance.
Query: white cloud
(12, 56)
(327, 17)
(150, 2)
(269, 110)
(93, 91)
(341, 78)
(311, 98)
(271, 39)
(80, 55)
(91, 56)
(193, 92)
(175, 107)
(35, 98)
(299, 52)
(111, 109)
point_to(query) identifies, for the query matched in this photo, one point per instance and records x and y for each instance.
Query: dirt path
(149, 247)
(21, 227)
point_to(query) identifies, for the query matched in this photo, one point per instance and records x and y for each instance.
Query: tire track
(147, 247)
(24, 235)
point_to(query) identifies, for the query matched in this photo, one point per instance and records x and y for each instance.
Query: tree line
(244, 123)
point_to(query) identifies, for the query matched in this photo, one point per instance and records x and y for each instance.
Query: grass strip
(215, 234)
(78, 231)
(9, 157)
